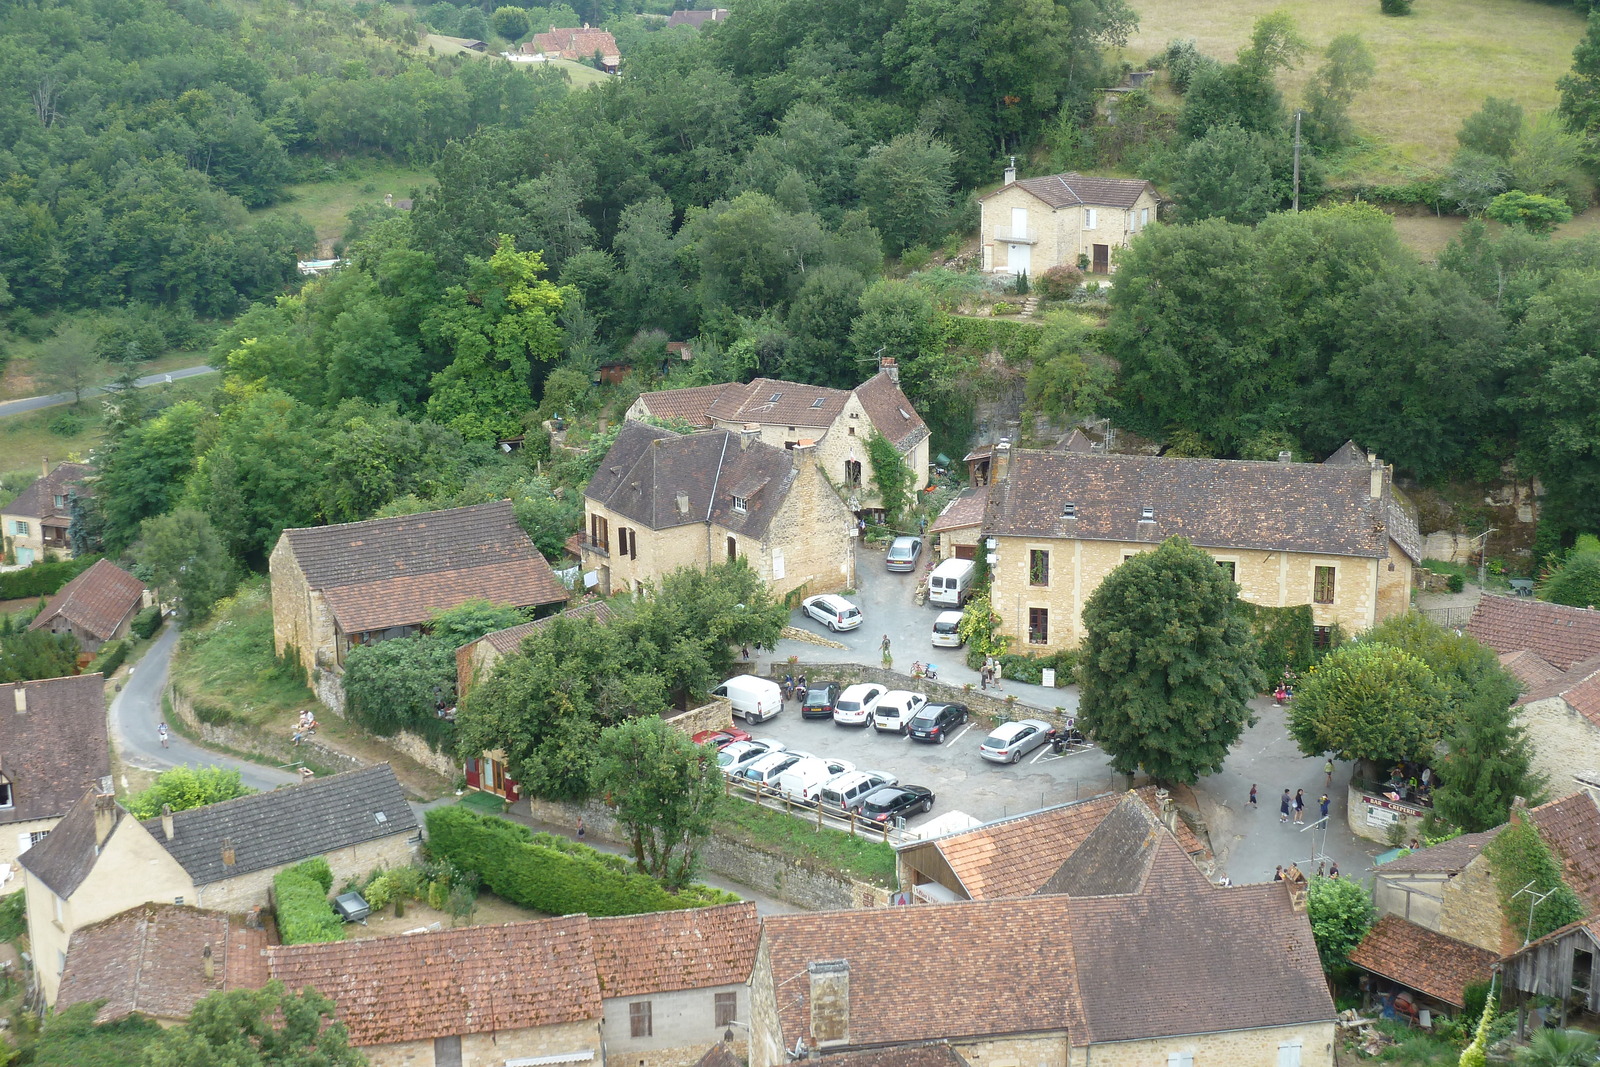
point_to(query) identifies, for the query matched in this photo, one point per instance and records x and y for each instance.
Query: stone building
(95, 607)
(661, 501)
(959, 525)
(1029, 225)
(34, 525)
(1330, 536)
(53, 747)
(781, 414)
(99, 861)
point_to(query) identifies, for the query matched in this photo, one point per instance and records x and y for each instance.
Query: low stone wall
(774, 875)
(415, 747)
(979, 700)
(243, 738)
(717, 715)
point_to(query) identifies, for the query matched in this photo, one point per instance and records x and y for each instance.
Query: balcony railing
(589, 544)
(1013, 235)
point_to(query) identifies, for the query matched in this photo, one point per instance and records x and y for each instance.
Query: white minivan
(947, 630)
(753, 699)
(948, 584)
(847, 791)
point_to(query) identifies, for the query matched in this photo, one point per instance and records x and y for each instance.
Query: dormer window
(61, 501)
(1147, 514)
(6, 800)
(1069, 510)
(819, 401)
(904, 414)
(739, 505)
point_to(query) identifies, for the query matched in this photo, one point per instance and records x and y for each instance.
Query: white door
(24, 556)
(1289, 1054)
(1020, 258)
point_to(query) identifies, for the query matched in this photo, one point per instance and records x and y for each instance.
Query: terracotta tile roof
(774, 402)
(288, 824)
(719, 1055)
(1420, 959)
(398, 571)
(509, 640)
(1529, 668)
(574, 43)
(57, 748)
(1579, 687)
(64, 858)
(691, 405)
(1116, 855)
(914, 1056)
(96, 602)
(149, 960)
(1278, 507)
(1448, 857)
(474, 980)
(1571, 827)
(1065, 190)
(965, 511)
(695, 948)
(1562, 636)
(37, 500)
(891, 412)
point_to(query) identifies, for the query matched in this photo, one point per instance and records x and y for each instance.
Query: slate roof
(966, 510)
(37, 501)
(940, 1055)
(1571, 827)
(1275, 507)
(287, 825)
(1421, 959)
(1448, 857)
(472, 980)
(1562, 636)
(1066, 190)
(1077, 441)
(697, 18)
(1116, 855)
(1348, 454)
(96, 602)
(891, 412)
(692, 948)
(148, 960)
(398, 571)
(648, 468)
(64, 858)
(57, 748)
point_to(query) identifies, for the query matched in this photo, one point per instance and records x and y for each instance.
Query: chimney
(1011, 171)
(805, 453)
(208, 962)
(227, 852)
(20, 696)
(166, 821)
(44, 466)
(682, 500)
(1377, 478)
(830, 1002)
(1000, 465)
(749, 433)
(105, 818)
(891, 367)
(1285, 456)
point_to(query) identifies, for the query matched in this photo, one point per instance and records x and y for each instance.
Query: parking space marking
(1044, 750)
(963, 733)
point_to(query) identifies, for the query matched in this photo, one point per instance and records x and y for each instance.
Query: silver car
(1013, 740)
(903, 553)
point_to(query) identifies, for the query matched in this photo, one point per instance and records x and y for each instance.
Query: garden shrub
(146, 623)
(42, 579)
(67, 425)
(112, 656)
(300, 896)
(1030, 668)
(1521, 859)
(1060, 282)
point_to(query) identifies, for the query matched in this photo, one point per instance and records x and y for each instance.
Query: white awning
(559, 1057)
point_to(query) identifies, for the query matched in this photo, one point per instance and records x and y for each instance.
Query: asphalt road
(34, 403)
(136, 713)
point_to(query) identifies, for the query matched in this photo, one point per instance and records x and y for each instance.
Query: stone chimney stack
(1285, 456)
(105, 818)
(208, 962)
(1377, 478)
(1011, 171)
(890, 366)
(44, 466)
(805, 453)
(19, 696)
(1000, 465)
(830, 1003)
(166, 821)
(749, 433)
(227, 852)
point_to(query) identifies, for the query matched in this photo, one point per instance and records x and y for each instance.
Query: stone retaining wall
(717, 715)
(415, 747)
(242, 738)
(979, 700)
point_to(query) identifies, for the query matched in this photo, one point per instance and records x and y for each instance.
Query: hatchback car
(834, 612)
(846, 791)
(721, 738)
(818, 702)
(855, 705)
(903, 553)
(884, 805)
(1013, 740)
(947, 629)
(895, 710)
(936, 722)
(765, 770)
(741, 754)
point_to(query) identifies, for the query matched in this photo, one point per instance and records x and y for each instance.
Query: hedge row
(112, 657)
(42, 579)
(549, 874)
(300, 894)
(1015, 341)
(146, 623)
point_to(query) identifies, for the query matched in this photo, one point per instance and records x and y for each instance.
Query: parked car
(885, 804)
(854, 706)
(846, 792)
(1013, 740)
(936, 722)
(947, 629)
(903, 553)
(741, 754)
(720, 738)
(895, 710)
(834, 612)
(818, 702)
(765, 770)
(753, 699)
(805, 779)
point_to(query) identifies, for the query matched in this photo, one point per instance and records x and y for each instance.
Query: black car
(892, 801)
(937, 721)
(818, 703)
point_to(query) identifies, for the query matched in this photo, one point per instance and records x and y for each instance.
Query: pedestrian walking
(983, 676)
(1299, 805)
(884, 646)
(1324, 803)
(1333, 872)
(1277, 875)
(1284, 804)
(1327, 769)
(1253, 805)
(161, 732)
(1321, 868)
(580, 826)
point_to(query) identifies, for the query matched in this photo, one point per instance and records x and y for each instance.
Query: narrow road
(34, 403)
(136, 712)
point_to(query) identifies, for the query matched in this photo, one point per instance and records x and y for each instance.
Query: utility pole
(1297, 115)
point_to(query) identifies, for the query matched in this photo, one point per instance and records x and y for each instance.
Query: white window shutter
(1289, 1054)
(777, 565)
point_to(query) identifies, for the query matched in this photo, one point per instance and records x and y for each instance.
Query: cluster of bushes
(550, 874)
(146, 623)
(300, 897)
(1030, 669)
(440, 884)
(42, 579)
(112, 656)
(1060, 282)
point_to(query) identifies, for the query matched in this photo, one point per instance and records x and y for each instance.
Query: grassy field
(580, 75)
(27, 439)
(326, 206)
(1434, 67)
(21, 377)
(228, 664)
(803, 841)
(1427, 235)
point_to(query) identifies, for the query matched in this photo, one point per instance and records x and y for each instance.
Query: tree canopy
(1369, 701)
(665, 791)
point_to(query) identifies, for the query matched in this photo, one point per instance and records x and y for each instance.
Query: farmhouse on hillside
(34, 526)
(1029, 225)
(95, 607)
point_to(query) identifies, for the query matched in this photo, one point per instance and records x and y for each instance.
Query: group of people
(1295, 875)
(307, 727)
(989, 673)
(1410, 781)
(1292, 807)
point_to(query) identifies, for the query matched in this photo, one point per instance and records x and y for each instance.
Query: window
(1038, 626)
(1144, 217)
(5, 792)
(1289, 1054)
(35, 836)
(738, 504)
(1180, 1059)
(1069, 510)
(733, 548)
(1038, 567)
(817, 403)
(61, 501)
(639, 1024)
(1321, 637)
(599, 532)
(1322, 585)
(1147, 514)
(1582, 969)
(1089, 218)
(727, 1008)
(57, 901)
(19, 528)
(852, 471)
(774, 398)
(1230, 568)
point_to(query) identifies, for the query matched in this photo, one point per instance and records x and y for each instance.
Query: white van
(804, 780)
(948, 584)
(947, 630)
(753, 699)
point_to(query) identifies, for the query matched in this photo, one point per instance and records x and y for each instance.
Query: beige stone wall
(717, 715)
(1240, 1048)
(1368, 821)
(1416, 898)
(1018, 1050)
(660, 552)
(1394, 584)
(766, 1036)
(493, 1050)
(1271, 579)
(301, 618)
(247, 890)
(1565, 743)
(33, 539)
(682, 1023)
(808, 543)
(1470, 909)
(1059, 233)
(11, 840)
(949, 539)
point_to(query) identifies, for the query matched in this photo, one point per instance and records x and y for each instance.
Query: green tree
(897, 321)
(1226, 174)
(262, 473)
(186, 562)
(1341, 912)
(470, 620)
(819, 321)
(907, 187)
(264, 1027)
(1521, 863)
(35, 654)
(1494, 129)
(510, 23)
(69, 360)
(751, 251)
(1576, 582)
(145, 472)
(183, 788)
(1070, 377)
(1489, 765)
(1580, 87)
(1368, 701)
(1536, 214)
(392, 685)
(70, 1038)
(1168, 665)
(665, 790)
(1347, 69)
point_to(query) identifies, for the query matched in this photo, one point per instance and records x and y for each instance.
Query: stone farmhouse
(782, 414)
(34, 525)
(1332, 536)
(577, 44)
(99, 861)
(663, 500)
(95, 607)
(1554, 651)
(1029, 225)
(335, 587)
(53, 747)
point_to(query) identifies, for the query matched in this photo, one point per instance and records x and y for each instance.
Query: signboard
(1381, 817)
(1049, 681)
(1410, 811)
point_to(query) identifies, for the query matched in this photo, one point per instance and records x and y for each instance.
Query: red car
(720, 738)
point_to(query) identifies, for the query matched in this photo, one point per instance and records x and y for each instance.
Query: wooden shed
(1560, 965)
